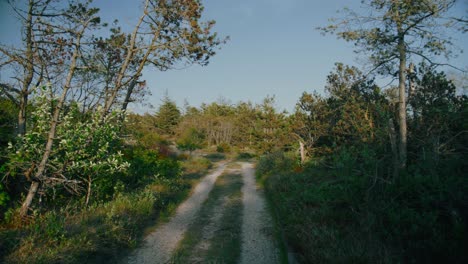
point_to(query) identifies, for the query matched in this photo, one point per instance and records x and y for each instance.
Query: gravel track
(160, 244)
(257, 228)
(258, 244)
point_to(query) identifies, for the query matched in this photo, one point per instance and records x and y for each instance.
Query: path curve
(159, 245)
(257, 227)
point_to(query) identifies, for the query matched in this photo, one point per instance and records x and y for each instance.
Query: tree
(167, 32)
(60, 46)
(393, 32)
(218, 122)
(351, 115)
(271, 130)
(79, 19)
(310, 120)
(438, 115)
(167, 117)
(84, 149)
(24, 60)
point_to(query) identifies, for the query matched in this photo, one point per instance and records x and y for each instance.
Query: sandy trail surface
(258, 242)
(160, 244)
(257, 227)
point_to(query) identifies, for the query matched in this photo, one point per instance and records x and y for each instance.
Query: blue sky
(274, 49)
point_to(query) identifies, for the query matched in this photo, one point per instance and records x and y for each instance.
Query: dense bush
(102, 232)
(245, 156)
(349, 214)
(213, 157)
(85, 156)
(275, 162)
(148, 165)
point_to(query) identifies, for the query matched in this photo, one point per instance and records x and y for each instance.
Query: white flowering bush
(85, 152)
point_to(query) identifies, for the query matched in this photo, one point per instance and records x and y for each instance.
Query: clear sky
(274, 49)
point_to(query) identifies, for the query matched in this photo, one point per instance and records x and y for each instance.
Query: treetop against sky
(274, 49)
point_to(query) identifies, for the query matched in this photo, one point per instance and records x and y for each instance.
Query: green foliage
(245, 156)
(349, 214)
(167, 117)
(8, 119)
(73, 235)
(345, 205)
(223, 147)
(85, 150)
(213, 157)
(190, 140)
(260, 128)
(196, 165)
(3, 197)
(438, 113)
(271, 131)
(354, 113)
(275, 163)
(102, 232)
(146, 166)
(418, 26)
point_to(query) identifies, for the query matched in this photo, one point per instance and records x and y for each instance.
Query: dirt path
(160, 244)
(212, 227)
(257, 228)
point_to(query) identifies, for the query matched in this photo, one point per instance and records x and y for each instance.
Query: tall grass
(102, 233)
(346, 214)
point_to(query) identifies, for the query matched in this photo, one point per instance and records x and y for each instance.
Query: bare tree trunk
(402, 103)
(88, 193)
(301, 148)
(28, 69)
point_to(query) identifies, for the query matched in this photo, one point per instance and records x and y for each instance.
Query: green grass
(101, 233)
(215, 236)
(196, 165)
(280, 238)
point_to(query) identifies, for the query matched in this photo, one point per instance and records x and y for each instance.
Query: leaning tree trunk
(39, 175)
(29, 198)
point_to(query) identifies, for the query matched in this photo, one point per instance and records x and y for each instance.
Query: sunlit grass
(101, 233)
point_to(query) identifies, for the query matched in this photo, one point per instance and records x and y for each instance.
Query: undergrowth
(102, 233)
(345, 214)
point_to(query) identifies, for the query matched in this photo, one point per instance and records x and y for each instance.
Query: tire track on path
(159, 245)
(258, 244)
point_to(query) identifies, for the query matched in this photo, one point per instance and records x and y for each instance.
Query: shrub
(86, 149)
(148, 165)
(245, 156)
(223, 147)
(197, 165)
(275, 162)
(349, 213)
(3, 198)
(213, 157)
